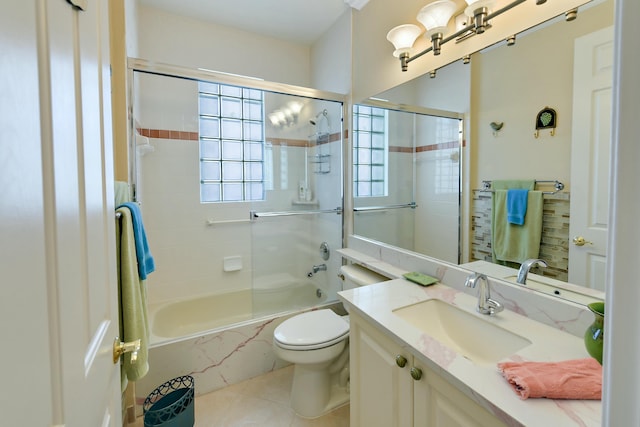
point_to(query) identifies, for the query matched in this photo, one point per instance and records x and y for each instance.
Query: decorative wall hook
(496, 127)
(546, 119)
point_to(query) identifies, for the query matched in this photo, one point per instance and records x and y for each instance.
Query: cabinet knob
(416, 373)
(401, 361)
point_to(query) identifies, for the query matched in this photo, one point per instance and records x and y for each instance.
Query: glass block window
(447, 161)
(232, 145)
(370, 152)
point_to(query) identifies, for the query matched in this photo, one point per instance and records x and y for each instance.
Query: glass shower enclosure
(240, 185)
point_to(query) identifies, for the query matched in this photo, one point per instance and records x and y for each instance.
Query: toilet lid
(313, 329)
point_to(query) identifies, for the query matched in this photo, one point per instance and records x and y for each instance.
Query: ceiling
(298, 21)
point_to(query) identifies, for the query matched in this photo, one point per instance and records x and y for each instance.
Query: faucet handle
(471, 279)
(494, 307)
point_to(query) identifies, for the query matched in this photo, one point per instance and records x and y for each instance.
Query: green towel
(132, 295)
(513, 243)
(513, 184)
(121, 192)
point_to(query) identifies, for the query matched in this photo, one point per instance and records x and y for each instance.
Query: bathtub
(185, 318)
(217, 339)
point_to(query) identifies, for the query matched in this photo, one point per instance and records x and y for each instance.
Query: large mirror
(500, 93)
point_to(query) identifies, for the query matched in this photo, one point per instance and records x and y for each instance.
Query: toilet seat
(311, 330)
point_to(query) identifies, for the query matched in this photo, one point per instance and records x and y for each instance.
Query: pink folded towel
(570, 379)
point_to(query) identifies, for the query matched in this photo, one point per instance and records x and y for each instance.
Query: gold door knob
(120, 348)
(401, 361)
(580, 241)
(416, 373)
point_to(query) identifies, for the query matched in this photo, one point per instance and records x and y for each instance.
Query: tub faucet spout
(319, 267)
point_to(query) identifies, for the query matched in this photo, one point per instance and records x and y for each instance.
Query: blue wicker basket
(171, 404)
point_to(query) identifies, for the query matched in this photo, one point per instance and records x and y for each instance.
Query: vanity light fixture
(435, 17)
(403, 37)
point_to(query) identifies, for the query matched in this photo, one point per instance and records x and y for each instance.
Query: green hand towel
(121, 192)
(513, 184)
(516, 243)
(132, 294)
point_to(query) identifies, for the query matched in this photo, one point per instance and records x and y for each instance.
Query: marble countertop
(482, 382)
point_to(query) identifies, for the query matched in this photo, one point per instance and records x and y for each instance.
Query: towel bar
(411, 205)
(226, 221)
(253, 214)
(486, 186)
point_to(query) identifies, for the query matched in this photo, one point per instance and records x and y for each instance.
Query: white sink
(465, 333)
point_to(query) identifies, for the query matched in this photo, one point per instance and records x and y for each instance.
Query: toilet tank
(355, 275)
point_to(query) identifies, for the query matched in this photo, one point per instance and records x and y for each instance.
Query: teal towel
(146, 264)
(132, 296)
(516, 243)
(517, 206)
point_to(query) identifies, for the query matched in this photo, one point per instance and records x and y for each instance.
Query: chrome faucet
(526, 266)
(319, 267)
(316, 268)
(485, 304)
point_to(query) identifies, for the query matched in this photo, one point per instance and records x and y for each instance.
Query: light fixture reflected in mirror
(286, 115)
(435, 16)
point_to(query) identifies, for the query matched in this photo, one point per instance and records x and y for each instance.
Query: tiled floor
(262, 401)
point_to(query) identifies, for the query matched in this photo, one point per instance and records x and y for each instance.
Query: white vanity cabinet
(391, 388)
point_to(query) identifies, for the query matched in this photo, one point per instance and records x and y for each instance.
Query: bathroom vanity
(423, 356)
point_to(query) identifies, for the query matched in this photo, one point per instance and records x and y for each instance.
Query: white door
(59, 312)
(591, 141)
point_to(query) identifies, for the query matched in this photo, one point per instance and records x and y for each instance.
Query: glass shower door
(301, 209)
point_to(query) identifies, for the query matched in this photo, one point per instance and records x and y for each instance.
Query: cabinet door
(437, 403)
(381, 391)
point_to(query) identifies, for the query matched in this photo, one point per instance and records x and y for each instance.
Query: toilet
(316, 342)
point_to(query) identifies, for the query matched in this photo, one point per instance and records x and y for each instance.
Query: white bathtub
(186, 318)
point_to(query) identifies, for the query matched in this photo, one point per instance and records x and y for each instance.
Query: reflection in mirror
(510, 85)
(407, 179)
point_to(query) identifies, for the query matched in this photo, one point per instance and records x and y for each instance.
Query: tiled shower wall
(554, 246)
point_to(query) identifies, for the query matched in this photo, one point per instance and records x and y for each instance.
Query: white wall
(331, 58)
(178, 40)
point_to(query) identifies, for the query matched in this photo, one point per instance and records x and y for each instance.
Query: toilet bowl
(317, 343)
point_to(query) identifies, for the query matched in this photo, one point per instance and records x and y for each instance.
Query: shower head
(321, 113)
